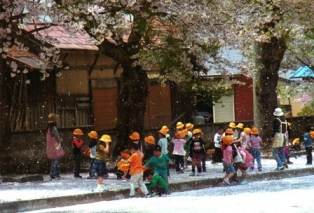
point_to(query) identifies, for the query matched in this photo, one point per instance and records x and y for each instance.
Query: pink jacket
(246, 156)
(227, 155)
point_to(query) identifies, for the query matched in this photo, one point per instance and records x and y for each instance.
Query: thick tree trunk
(131, 104)
(4, 106)
(268, 59)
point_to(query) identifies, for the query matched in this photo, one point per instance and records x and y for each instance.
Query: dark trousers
(54, 168)
(217, 158)
(179, 162)
(91, 168)
(309, 158)
(77, 164)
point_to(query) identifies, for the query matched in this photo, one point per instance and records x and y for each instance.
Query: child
(178, 150)
(150, 142)
(77, 144)
(157, 185)
(122, 170)
(217, 157)
(255, 145)
(99, 164)
(227, 158)
(136, 171)
(135, 138)
(307, 139)
(197, 151)
(92, 145)
(247, 162)
(245, 138)
(159, 163)
(163, 143)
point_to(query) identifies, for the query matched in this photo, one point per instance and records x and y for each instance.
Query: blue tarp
(303, 72)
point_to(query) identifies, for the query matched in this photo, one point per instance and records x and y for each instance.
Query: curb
(37, 204)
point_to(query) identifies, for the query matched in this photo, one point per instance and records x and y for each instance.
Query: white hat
(278, 112)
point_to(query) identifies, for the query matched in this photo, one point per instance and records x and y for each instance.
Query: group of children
(236, 149)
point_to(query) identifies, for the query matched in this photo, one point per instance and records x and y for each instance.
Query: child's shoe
(259, 169)
(100, 188)
(226, 180)
(192, 174)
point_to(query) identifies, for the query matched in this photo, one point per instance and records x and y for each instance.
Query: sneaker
(91, 177)
(226, 180)
(77, 176)
(100, 188)
(259, 169)
(178, 172)
(244, 182)
(181, 170)
(308, 164)
(192, 174)
(281, 168)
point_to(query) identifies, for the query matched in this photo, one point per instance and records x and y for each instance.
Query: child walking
(178, 150)
(100, 161)
(308, 145)
(217, 157)
(92, 145)
(228, 158)
(77, 144)
(255, 145)
(136, 171)
(197, 151)
(150, 143)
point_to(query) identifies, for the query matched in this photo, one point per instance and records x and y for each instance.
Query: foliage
(307, 110)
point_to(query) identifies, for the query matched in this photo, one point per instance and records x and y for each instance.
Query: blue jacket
(307, 140)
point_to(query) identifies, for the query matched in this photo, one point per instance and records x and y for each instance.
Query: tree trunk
(4, 106)
(268, 59)
(131, 104)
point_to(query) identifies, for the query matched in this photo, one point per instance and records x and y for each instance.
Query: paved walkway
(47, 193)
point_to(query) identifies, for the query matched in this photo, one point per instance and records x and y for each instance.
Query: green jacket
(159, 164)
(157, 180)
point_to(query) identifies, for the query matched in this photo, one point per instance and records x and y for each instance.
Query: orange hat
(312, 134)
(189, 126)
(197, 131)
(150, 140)
(78, 132)
(164, 130)
(180, 134)
(255, 131)
(228, 140)
(232, 125)
(135, 136)
(105, 138)
(179, 125)
(247, 130)
(124, 167)
(93, 134)
(229, 131)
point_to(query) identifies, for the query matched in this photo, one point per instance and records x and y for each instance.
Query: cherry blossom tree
(179, 39)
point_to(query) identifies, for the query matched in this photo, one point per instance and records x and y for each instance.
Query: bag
(237, 158)
(278, 140)
(54, 148)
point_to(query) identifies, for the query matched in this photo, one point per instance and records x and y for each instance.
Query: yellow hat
(189, 126)
(197, 131)
(228, 140)
(52, 118)
(255, 131)
(296, 141)
(78, 132)
(93, 134)
(247, 130)
(150, 140)
(179, 125)
(232, 125)
(105, 138)
(180, 134)
(164, 130)
(229, 131)
(135, 136)
(240, 126)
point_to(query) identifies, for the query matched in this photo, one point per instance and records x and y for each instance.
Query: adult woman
(54, 148)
